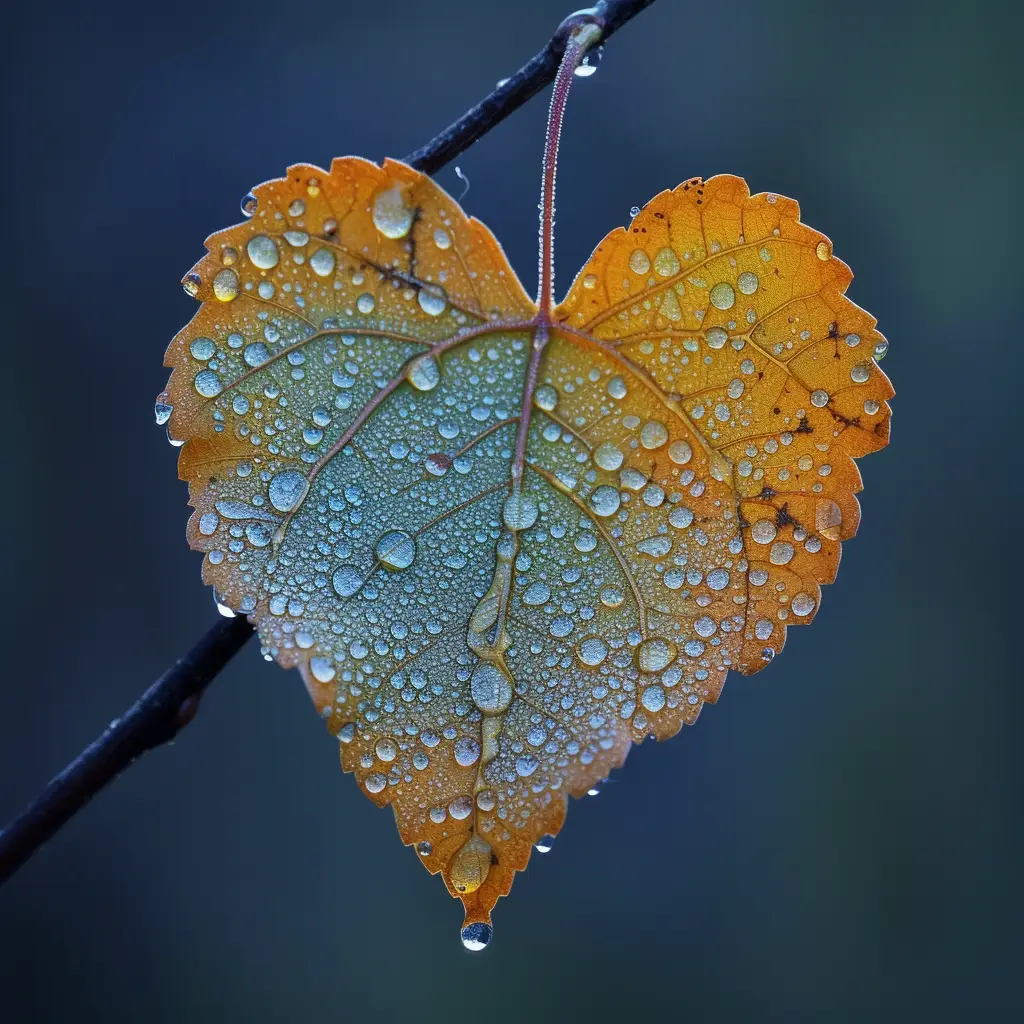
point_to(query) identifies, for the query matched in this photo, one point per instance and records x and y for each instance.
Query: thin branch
(154, 719)
(171, 702)
(513, 92)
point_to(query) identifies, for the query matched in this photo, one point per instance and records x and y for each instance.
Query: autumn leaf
(500, 542)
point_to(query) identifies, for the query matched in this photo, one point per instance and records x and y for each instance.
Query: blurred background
(839, 837)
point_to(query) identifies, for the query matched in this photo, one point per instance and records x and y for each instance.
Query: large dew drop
(262, 251)
(476, 936)
(396, 549)
(391, 217)
(490, 688)
(520, 512)
(423, 373)
(287, 489)
(654, 654)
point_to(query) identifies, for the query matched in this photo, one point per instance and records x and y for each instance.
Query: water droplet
(819, 398)
(248, 204)
(537, 593)
(424, 849)
(396, 549)
(823, 250)
(424, 373)
(590, 281)
(544, 844)
(347, 580)
(476, 936)
(617, 387)
(191, 282)
(207, 383)
(828, 519)
(519, 512)
(680, 452)
(592, 651)
(655, 654)
(666, 263)
(262, 251)
(604, 500)
(432, 300)
(467, 751)
(781, 553)
(653, 698)
(587, 66)
(490, 688)
(747, 283)
(680, 517)
(202, 349)
(322, 669)
(608, 457)
(722, 295)
(386, 749)
(162, 411)
(256, 354)
(718, 579)
(802, 604)
(638, 262)
(546, 397)
(225, 285)
(634, 211)
(375, 783)
(653, 435)
(441, 238)
(391, 217)
(365, 303)
(881, 349)
(322, 262)
(287, 489)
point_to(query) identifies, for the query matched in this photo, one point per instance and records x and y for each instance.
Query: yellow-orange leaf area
(349, 396)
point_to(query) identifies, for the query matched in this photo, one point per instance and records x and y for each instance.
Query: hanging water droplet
(544, 844)
(590, 61)
(191, 282)
(634, 211)
(222, 608)
(880, 350)
(249, 204)
(162, 411)
(476, 936)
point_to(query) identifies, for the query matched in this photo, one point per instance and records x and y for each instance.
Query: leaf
(488, 621)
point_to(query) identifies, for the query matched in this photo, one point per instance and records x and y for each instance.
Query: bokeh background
(839, 839)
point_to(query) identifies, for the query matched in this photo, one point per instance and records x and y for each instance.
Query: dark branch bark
(611, 15)
(170, 703)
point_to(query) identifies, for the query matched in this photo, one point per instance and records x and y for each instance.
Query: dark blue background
(839, 839)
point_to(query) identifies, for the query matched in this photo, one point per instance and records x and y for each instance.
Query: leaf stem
(585, 35)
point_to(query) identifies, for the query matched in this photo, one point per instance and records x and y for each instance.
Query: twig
(513, 92)
(171, 702)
